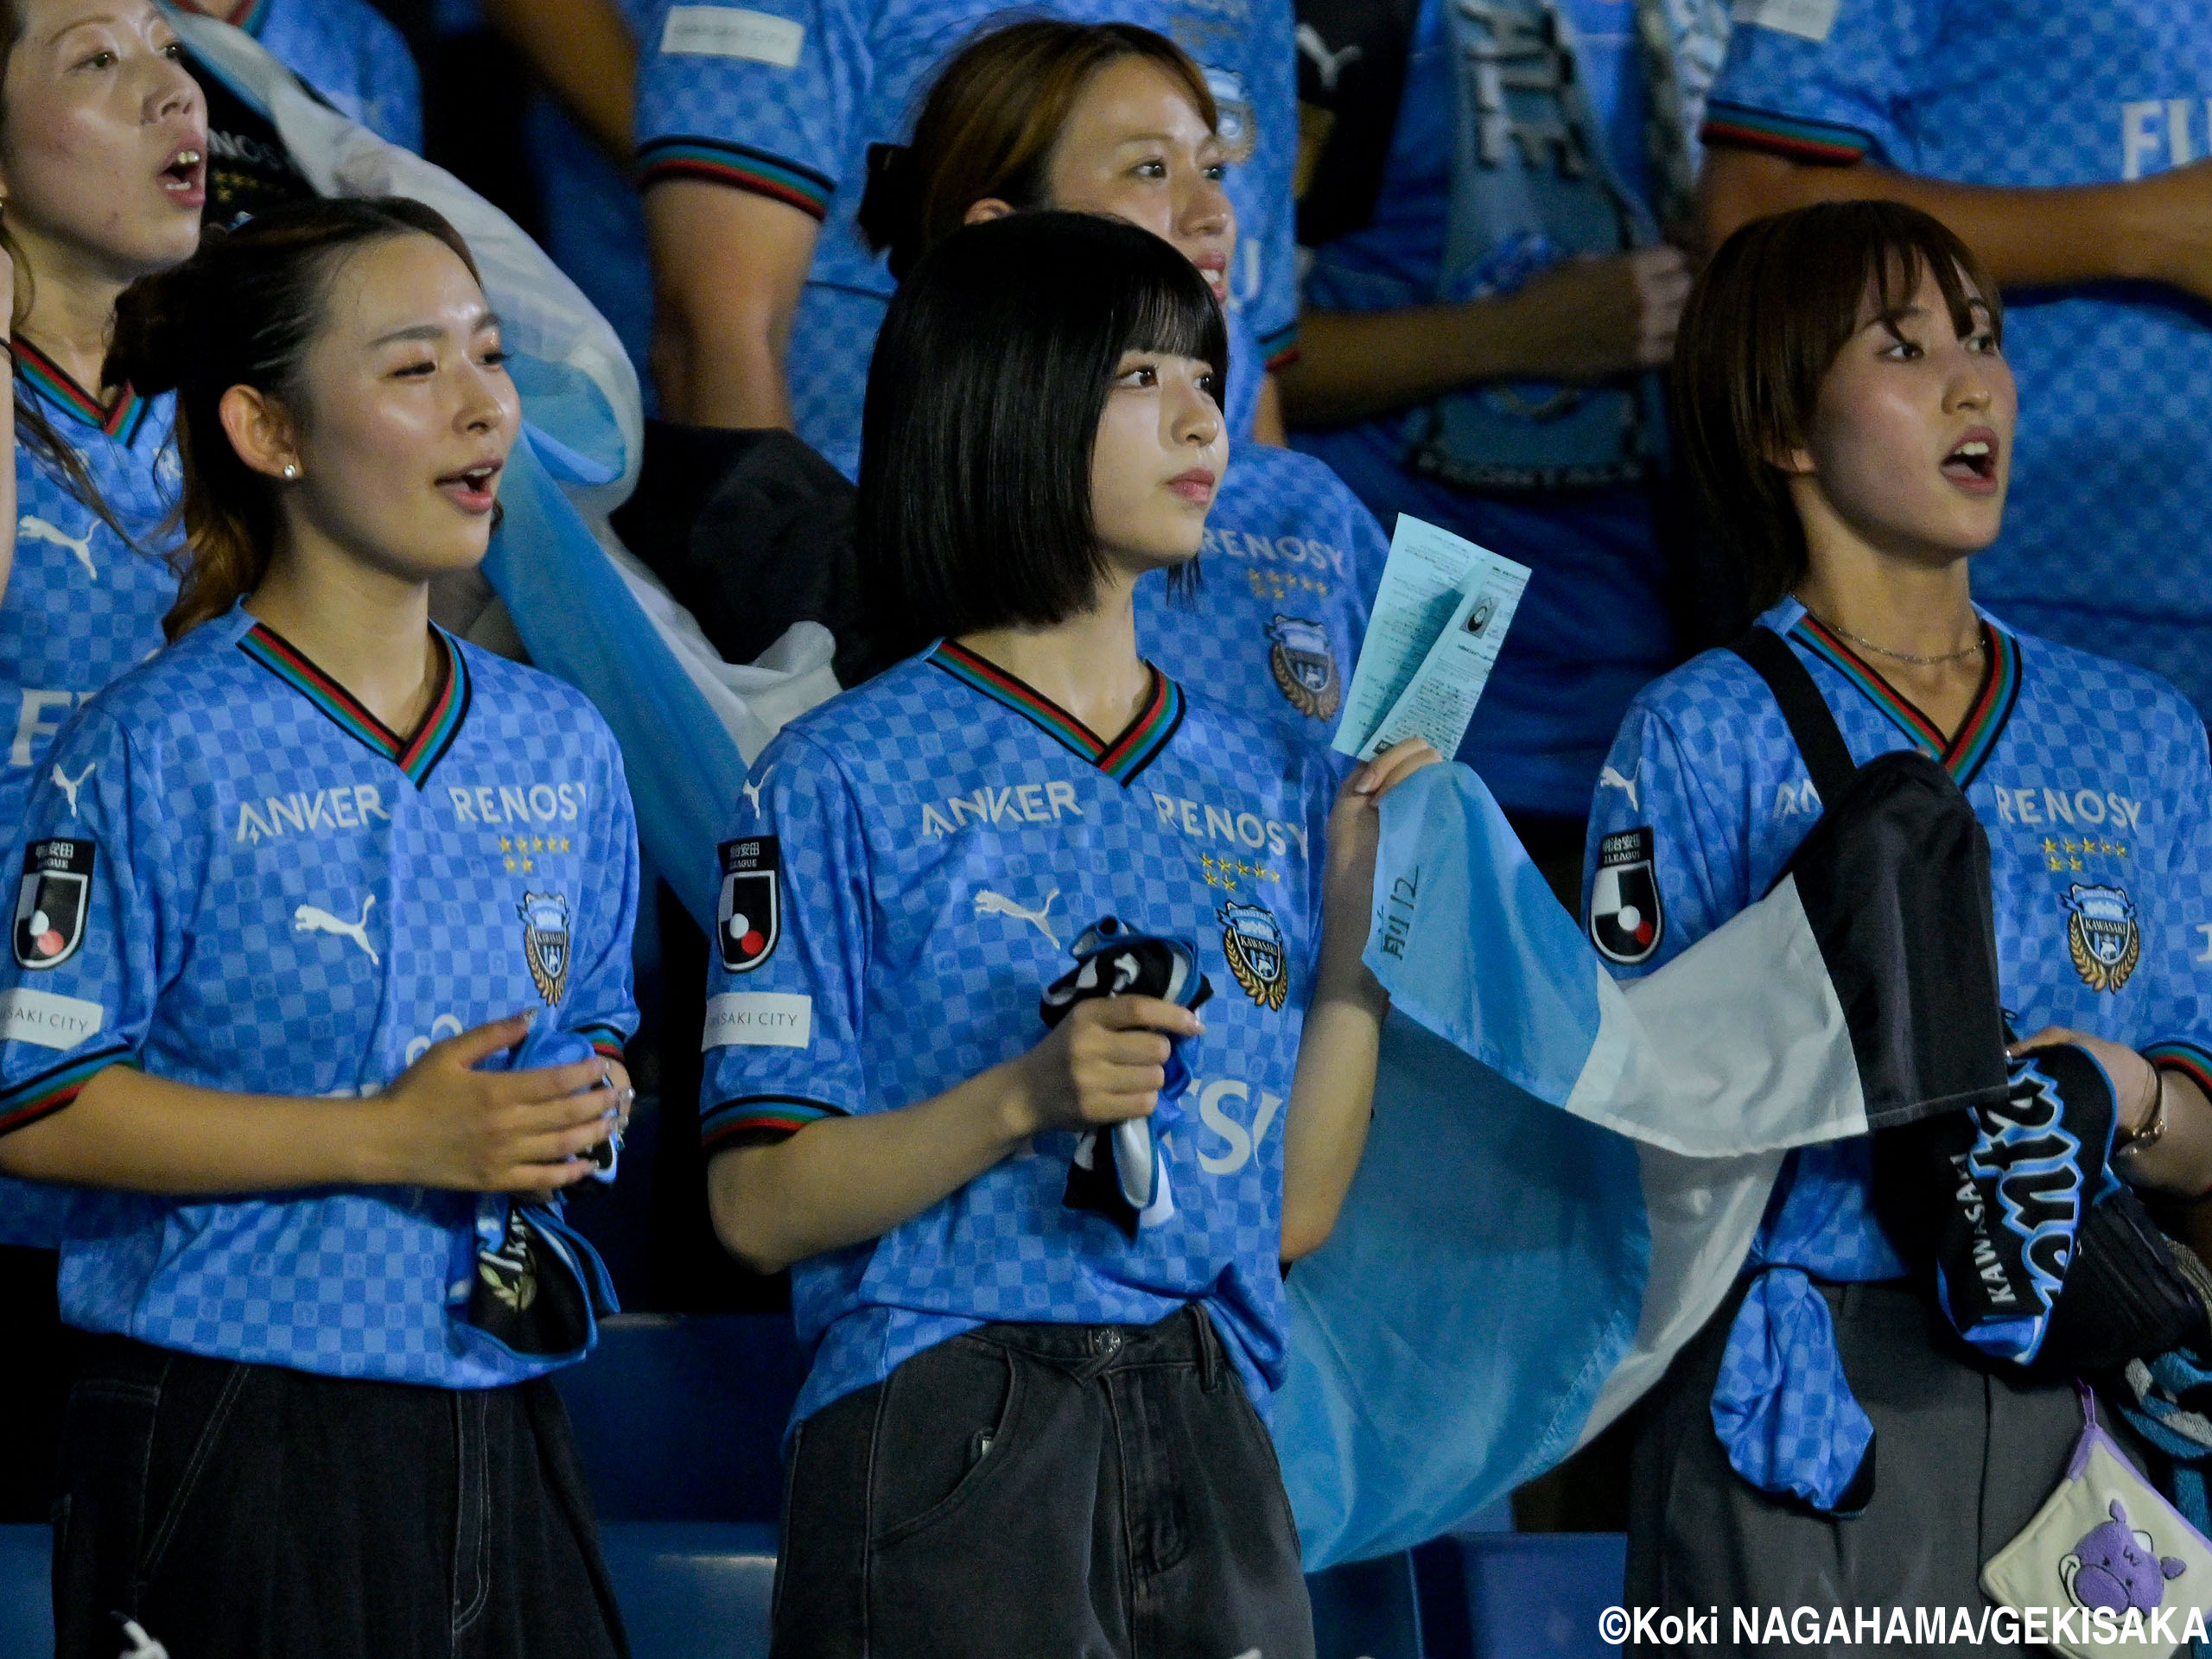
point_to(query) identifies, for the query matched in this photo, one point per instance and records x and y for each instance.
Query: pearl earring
(291, 470)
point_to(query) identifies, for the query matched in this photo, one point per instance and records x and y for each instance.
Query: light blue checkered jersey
(940, 837)
(350, 53)
(82, 605)
(2095, 777)
(232, 875)
(2105, 544)
(1286, 575)
(2090, 777)
(783, 96)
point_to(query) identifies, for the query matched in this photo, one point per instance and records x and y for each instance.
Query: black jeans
(243, 1511)
(1051, 1491)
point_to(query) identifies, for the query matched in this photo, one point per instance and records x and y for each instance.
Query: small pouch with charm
(2105, 1556)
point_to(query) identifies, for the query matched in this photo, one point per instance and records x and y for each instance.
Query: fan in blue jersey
(755, 126)
(1112, 118)
(1974, 118)
(347, 50)
(1490, 294)
(921, 877)
(105, 182)
(1819, 1441)
(316, 989)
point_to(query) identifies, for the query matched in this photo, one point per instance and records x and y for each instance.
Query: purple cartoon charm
(2114, 1567)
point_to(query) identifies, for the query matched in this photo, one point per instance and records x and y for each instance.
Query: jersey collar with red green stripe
(1964, 752)
(1120, 759)
(417, 756)
(120, 419)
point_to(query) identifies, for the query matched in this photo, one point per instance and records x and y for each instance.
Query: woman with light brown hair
(1111, 119)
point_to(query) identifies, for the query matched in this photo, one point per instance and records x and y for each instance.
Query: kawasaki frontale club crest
(1253, 944)
(2101, 936)
(1305, 667)
(545, 943)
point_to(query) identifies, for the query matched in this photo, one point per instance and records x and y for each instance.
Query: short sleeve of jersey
(788, 969)
(1832, 95)
(97, 912)
(2178, 1023)
(759, 96)
(1664, 864)
(599, 1004)
(1273, 229)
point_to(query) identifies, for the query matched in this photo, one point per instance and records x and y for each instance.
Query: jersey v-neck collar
(1964, 752)
(417, 756)
(1120, 758)
(120, 419)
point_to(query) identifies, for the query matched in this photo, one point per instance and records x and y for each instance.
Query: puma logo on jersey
(313, 918)
(1327, 64)
(1609, 779)
(997, 903)
(39, 531)
(69, 785)
(751, 791)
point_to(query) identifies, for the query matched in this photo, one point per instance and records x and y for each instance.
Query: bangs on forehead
(1179, 321)
(1893, 279)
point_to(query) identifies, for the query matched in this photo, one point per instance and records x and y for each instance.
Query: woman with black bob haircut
(1875, 1412)
(971, 914)
(1044, 113)
(316, 1050)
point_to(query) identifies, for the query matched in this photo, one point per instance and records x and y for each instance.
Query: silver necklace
(1972, 650)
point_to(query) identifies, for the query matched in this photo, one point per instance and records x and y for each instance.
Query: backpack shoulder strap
(1827, 757)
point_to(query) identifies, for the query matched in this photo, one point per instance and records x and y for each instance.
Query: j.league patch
(1626, 922)
(52, 903)
(748, 917)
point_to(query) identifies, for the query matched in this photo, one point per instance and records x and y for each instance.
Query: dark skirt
(258, 1513)
(1963, 1458)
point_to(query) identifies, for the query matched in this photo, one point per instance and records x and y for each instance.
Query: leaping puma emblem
(997, 903)
(1609, 779)
(69, 785)
(752, 790)
(38, 530)
(312, 918)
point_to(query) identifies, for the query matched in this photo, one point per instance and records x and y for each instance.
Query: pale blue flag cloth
(1563, 1176)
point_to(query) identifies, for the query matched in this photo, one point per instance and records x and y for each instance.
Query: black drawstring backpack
(1992, 1178)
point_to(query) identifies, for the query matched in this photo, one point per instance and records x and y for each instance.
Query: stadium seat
(27, 1591)
(1537, 1595)
(692, 1590)
(1366, 1610)
(680, 1418)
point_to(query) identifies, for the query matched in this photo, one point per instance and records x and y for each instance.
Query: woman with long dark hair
(319, 981)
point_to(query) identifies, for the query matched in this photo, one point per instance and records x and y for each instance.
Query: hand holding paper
(1440, 615)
